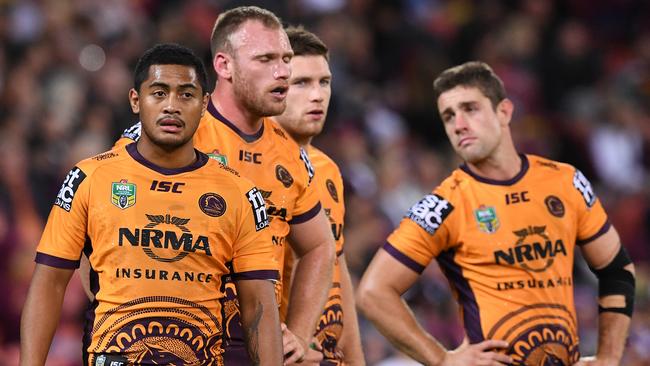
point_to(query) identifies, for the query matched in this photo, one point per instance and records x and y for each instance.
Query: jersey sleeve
(308, 204)
(253, 252)
(65, 232)
(129, 135)
(422, 234)
(592, 218)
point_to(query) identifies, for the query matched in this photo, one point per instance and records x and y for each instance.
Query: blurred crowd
(578, 72)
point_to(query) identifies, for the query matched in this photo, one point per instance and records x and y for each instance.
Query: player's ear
(223, 65)
(504, 111)
(134, 100)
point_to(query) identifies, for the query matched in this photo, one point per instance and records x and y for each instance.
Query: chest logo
(331, 188)
(487, 219)
(283, 175)
(123, 194)
(212, 204)
(554, 206)
(218, 157)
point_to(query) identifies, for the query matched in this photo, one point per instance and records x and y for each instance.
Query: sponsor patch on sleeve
(69, 188)
(260, 215)
(430, 212)
(305, 159)
(133, 132)
(581, 183)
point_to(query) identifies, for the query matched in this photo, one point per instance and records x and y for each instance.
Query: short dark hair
(229, 22)
(169, 54)
(473, 74)
(306, 43)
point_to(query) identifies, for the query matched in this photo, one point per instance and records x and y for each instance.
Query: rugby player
(159, 222)
(251, 57)
(308, 99)
(503, 228)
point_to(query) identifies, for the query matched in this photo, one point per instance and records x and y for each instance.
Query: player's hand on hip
(593, 361)
(480, 354)
(294, 347)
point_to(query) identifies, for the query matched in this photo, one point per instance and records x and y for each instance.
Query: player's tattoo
(251, 332)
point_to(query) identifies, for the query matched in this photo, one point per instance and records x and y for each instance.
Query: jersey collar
(524, 168)
(219, 117)
(201, 160)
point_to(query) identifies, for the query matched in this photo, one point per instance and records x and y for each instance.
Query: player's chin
(275, 108)
(171, 141)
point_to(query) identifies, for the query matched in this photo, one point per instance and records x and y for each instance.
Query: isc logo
(247, 156)
(163, 186)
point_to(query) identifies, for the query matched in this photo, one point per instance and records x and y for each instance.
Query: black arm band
(613, 279)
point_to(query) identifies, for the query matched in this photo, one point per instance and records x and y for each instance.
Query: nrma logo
(534, 250)
(151, 239)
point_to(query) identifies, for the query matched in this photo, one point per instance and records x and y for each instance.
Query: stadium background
(577, 70)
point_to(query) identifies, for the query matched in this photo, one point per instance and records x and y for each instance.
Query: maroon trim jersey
(507, 249)
(159, 242)
(329, 183)
(279, 168)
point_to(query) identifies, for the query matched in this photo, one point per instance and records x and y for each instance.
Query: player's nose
(281, 70)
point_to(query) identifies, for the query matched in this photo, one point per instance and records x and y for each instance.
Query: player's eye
(325, 82)
(286, 59)
(300, 82)
(158, 93)
(187, 95)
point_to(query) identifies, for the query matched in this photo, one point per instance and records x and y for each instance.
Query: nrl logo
(123, 194)
(218, 157)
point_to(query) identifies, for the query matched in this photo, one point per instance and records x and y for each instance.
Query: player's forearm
(612, 333)
(351, 338)
(40, 318)
(309, 288)
(392, 317)
(261, 325)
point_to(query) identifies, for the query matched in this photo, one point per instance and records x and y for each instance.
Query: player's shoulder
(103, 160)
(319, 159)
(286, 146)
(278, 134)
(454, 186)
(543, 165)
(221, 175)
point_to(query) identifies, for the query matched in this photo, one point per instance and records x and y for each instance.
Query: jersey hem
(265, 274)
(304, 217)
(598, 234)
(57, 262)
(403, 258)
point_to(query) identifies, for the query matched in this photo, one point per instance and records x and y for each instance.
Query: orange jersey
(329, 183)
(278, 167)
(159, 242)
(507, 249)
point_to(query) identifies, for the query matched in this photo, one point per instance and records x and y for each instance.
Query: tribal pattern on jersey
(158, 242)
(329, 183)
(275, 164)
(507, 248)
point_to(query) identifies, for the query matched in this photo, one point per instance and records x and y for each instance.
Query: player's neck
(501, 166)
(304, 142)
(169, 159)
(236, 113)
